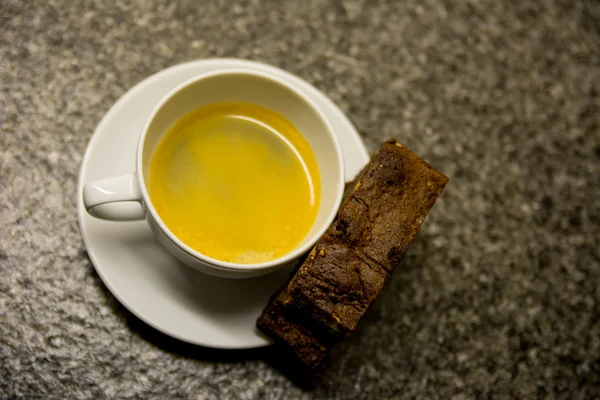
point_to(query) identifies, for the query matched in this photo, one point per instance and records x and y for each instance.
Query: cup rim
(226, 265)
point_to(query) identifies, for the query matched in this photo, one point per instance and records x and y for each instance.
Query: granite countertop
(499, 296)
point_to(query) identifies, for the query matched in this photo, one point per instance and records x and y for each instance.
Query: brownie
(330, 292)
(376, 223)
(280, 326)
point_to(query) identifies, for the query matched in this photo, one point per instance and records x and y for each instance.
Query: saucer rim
(116, 106)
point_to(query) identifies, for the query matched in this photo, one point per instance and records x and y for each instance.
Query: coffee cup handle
(115, 199)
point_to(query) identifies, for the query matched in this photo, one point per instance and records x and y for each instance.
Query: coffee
(236, 182)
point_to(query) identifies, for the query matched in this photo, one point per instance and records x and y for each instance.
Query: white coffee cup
(111, 198)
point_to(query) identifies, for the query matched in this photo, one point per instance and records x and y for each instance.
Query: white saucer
(162, 292)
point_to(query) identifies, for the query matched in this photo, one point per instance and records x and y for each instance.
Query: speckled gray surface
(499, 296)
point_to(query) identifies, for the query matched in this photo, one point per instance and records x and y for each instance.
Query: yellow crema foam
(236, 182)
